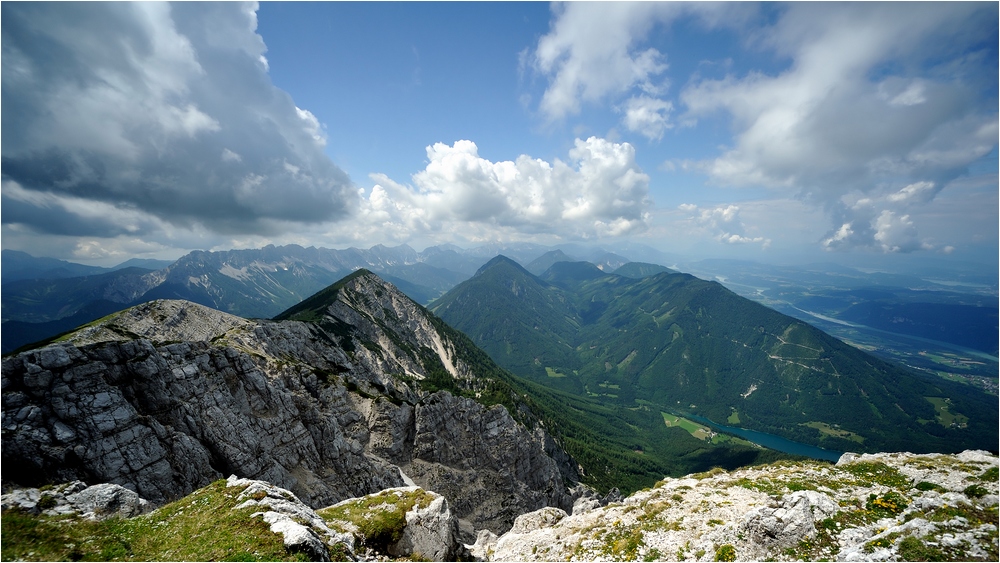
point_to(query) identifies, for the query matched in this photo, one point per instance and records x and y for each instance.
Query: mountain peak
(545, 261)
(313, 307)
(500, 261)
(572, 272)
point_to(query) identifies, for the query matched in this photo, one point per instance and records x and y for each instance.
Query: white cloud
(600, 192)
(917, 192)
(871, 110)
(647, 116)
(594, 52)
(166, 109)
(878, 222)
(897, 233)
(589, 53)
(723, 223)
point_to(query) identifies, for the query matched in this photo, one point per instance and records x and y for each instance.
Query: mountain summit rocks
(880, 507)
(169, 396)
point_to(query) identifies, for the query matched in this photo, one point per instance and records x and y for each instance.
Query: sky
(772, 132)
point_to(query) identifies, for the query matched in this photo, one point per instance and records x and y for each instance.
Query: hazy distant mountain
(607, 261)
(17, 265)
(642, 269)
(43, 300)
(147, 263)
(682, 343)
(251, 283)
(543, 262)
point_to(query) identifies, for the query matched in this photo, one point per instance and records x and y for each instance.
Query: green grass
(693, 428)
(200, 527)
(944, 415)
(836, 432)
(377, 520)
(553, 373)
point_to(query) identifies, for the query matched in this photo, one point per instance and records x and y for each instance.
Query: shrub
(975, 491)
(46, 502)
(889, 504)
(725, 553)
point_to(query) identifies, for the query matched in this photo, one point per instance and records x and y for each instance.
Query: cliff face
(168, 396)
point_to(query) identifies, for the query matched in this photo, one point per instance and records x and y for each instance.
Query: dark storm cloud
(160, 109)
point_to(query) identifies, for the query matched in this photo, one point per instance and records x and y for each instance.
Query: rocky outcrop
(166, 397)
(879, 507)
(96, 502)
(302, 530)
(169, 419)
(431, 532)
(406, 522)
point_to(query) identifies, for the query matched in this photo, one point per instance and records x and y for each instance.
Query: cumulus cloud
(723, 223)
(165, 112)
(590, 53)
(601, 191)
(880, 221)
(593, 52)
(647, 116)
(872, 111)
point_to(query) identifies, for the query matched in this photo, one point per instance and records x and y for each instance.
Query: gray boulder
(430, 533)
(107, 499)
(96, 502)
(787, 521)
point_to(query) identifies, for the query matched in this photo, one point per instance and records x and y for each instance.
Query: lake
(771, 441)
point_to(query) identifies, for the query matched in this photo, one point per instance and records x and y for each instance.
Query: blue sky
(774, 132)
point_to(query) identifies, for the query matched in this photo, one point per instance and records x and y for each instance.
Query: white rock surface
(302, 529)
(853, 511)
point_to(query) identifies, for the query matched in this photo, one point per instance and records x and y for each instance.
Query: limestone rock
(107, 499)
(302, 529)
(401, 522)
(485, 546)
(789, 520)
(865, 508)
(169, 396)
(541, 518)
(430, 533)
(96, 502)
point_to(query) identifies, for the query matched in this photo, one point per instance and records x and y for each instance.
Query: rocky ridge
(169, 396)
(873, 507)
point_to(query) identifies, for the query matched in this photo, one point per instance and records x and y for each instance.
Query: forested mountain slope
(678, 343)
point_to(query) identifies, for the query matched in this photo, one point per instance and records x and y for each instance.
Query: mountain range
(339, 395)
(43, 297)
(674, 343)
(876, 310)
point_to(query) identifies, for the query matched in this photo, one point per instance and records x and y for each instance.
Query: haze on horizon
(772, 132)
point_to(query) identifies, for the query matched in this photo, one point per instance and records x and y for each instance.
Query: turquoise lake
(771, 441)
